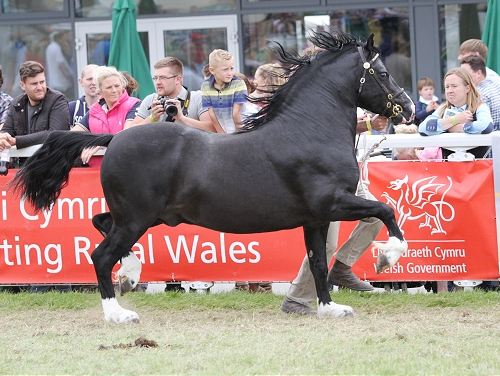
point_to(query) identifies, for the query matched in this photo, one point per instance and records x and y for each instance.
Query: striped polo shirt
(222, 101)
(490, 93)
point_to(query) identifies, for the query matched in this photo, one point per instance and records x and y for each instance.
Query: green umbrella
(491, 34)
(126, 52)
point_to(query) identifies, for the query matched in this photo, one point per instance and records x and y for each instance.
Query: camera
(170, 108)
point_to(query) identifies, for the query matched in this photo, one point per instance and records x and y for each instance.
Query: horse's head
(378, 91)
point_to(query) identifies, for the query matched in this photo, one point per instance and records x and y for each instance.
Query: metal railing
(449, 140)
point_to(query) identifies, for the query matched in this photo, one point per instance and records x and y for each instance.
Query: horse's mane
(332, 41)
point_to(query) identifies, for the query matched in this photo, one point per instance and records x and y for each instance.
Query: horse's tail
(46, 172)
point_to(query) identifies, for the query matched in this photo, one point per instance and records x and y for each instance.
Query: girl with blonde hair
(268, 77)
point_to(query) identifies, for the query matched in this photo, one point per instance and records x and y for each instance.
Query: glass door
(163, 37)
(93, 40)
(192, 44)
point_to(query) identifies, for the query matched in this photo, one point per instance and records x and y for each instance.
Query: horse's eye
(384, 75)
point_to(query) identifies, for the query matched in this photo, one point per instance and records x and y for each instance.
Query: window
(15, 6)
(92, 8)
(192, 47)
(457, 23)
(390, 26)
(248, 4)
(31, 42)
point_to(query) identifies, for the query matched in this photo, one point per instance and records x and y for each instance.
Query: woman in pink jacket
(110, 112)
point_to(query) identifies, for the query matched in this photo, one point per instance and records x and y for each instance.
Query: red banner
(447, 214)
(446, 211)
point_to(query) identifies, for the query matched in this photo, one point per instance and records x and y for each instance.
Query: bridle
(392, 109)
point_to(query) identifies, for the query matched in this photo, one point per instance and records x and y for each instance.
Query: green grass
(243, 301)
(238, 333)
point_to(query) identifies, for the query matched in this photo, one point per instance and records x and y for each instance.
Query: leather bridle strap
(393, 108)
(366, 66)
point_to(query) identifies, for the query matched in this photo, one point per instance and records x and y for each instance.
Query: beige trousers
(303, 288)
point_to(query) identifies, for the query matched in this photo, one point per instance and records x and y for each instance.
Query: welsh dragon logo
(423, 200)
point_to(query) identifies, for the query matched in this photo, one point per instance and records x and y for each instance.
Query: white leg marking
(113, 312)
(131, 268)
(334, 310)
(393, 249)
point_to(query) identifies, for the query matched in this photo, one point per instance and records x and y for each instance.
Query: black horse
(293, 165)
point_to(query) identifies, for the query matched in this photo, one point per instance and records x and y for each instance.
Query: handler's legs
(302, 292)
(360, 239)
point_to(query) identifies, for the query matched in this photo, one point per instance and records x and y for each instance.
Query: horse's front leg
(355, 208)
(395, 247)
(104, 258)
(315, 239)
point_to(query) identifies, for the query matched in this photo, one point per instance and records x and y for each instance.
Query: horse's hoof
(126, 285)
(130, 317)
(391, 252)
(382, 263)
(349, 312)
(114, 313)
(125, 316)
(334, 310)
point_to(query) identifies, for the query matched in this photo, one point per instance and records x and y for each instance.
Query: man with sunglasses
(169, 90)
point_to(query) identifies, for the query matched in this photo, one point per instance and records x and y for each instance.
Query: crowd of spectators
(471, 105)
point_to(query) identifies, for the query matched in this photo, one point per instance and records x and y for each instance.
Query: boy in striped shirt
(223, 93)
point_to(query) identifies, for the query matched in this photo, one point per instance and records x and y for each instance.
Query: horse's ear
(369, 42)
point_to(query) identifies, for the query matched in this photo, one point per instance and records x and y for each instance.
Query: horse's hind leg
(130, 270)
(103, 223)
(115, 246)
(315, 239)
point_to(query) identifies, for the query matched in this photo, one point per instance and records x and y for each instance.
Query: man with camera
(172, 102)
